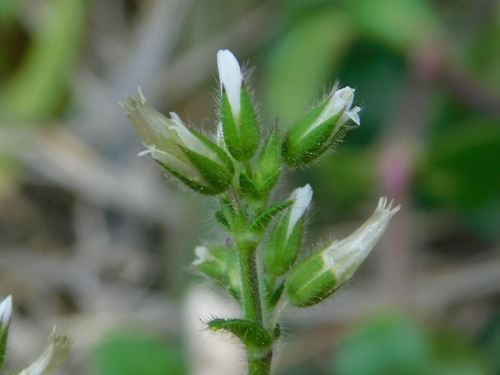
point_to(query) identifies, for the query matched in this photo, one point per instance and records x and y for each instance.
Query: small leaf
(251, 334)
(261, 222)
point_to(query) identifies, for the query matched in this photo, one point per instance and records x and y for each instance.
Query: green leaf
(462, 166)
(262, 221)
(404, 24)
(391, 345)
(252, 335)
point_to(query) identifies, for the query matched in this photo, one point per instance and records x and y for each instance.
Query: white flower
(5, 312)
(345, 256)
(302, 198)
(324, 271)
(231, 79)
(52, 357)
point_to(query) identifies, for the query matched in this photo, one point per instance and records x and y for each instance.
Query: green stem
(250, 282)
(260, 365)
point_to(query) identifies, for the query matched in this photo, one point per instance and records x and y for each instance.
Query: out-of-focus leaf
(462, 166)
(403, 24)
(132, 354)
(391, 345)
(489, 343)
(8, 10)
(303, 62)
(484, 54)
(453, 355)
(395, 345)
(37, 89)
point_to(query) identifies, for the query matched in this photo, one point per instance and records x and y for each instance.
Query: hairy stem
(250, 282)
(258, 365)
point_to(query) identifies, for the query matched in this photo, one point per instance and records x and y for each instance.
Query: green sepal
(195, 185)
(242, 135)
(248, 187)
(230, 129)
(310, 282)
(218, 176)
(280, 252)
(252, 335)
(249, 125)
(300, 146)
(269, 163)
(262, 221)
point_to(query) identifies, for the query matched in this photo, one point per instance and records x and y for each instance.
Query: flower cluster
(262, 263)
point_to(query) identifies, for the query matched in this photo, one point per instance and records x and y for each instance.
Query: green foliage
(396, 345)
(461, 166)
(129, 353)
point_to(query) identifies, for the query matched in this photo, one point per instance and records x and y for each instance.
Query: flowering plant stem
(262, 264)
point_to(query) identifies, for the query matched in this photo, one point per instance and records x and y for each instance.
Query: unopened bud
(221, 265)
(320, 128)
(240, 126)
(286, 239)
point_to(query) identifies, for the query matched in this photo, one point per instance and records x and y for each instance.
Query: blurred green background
(98, 241)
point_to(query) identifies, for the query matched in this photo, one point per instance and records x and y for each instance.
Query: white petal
(302, 197)
(230, 78)
(353, 115)
(6, 311)
(202, 255)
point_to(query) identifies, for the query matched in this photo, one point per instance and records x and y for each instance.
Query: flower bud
(5, 312)
(320, 128)
(240, 125)
(286, 239)
(221, 265)
(188, 155)
(323, 272)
